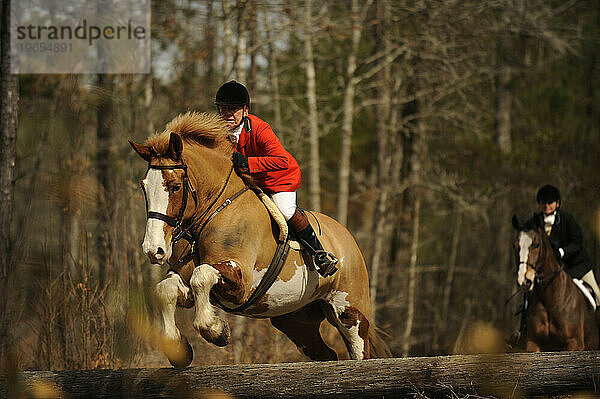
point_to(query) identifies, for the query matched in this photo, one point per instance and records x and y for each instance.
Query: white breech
(589, 279)
(286, 202)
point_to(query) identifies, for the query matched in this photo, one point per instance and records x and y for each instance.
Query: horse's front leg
(175, 345)
(212, 328)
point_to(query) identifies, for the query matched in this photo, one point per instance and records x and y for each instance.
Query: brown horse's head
(170, 195)
(528, 246)
(167, 190)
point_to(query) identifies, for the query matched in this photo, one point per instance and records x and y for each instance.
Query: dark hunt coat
(566, 234)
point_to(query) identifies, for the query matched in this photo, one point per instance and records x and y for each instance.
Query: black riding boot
(324, 261)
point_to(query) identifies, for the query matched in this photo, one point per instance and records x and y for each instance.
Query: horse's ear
(143, 151)
(516, 224)
(175, 147)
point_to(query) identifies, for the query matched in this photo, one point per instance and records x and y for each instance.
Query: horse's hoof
(225, 337)
(180, 354)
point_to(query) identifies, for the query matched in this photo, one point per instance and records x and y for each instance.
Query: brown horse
(558, 315)
(188, 178)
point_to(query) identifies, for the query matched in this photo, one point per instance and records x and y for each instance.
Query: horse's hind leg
(302, 327)
(351, 323)
(175, 345)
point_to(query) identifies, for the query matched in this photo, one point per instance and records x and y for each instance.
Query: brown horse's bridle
(179, 232)
(539, 280)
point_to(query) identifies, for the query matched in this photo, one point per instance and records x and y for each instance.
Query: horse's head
(167, 189)
(528, 248)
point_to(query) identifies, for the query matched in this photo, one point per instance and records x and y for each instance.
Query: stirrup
(325, 263)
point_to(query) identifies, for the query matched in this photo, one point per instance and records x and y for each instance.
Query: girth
(281, 254)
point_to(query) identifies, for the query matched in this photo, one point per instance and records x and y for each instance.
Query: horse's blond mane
(202, 128)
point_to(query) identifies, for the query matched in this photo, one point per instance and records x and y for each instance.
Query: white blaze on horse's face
(525, 274)
(157, 195)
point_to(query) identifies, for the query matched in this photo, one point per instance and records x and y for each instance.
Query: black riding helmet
(548, 194)
(232, 93)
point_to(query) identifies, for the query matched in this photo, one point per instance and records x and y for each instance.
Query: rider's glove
(240, 162)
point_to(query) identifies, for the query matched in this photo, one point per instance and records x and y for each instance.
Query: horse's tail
(377, 346)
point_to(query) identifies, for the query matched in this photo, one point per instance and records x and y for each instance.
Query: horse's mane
(205, 129)
(202, 128)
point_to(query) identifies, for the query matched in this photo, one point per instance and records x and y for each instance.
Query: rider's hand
(240, 162)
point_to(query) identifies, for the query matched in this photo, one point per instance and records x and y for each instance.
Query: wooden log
(508, 375)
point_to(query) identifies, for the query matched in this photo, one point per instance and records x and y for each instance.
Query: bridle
(179, 231)
(539, 280)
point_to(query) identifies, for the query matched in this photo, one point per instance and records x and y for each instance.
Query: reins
(538, 275)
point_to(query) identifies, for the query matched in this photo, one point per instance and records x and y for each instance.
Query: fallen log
(508, 375)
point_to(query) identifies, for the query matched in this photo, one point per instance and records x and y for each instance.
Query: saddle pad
(279, 219)
(276, 215)
(586, 292)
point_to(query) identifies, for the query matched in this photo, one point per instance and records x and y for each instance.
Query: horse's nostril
(528, 283)
(160, 251)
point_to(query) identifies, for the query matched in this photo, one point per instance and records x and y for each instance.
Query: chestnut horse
(188, 178)
(558, 315)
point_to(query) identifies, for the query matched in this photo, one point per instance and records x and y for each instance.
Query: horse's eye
(176, 188)
(536, 245)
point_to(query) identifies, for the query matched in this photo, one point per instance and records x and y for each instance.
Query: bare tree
(383, 155)
(357, 17)
(108, 195)
(313, 120)
(9, 102)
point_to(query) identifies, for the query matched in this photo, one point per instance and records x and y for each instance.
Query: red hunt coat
(271, 165)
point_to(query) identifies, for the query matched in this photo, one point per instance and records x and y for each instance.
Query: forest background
(421, 125)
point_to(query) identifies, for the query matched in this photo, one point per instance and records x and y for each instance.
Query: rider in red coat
(271, 165)
(260, 153)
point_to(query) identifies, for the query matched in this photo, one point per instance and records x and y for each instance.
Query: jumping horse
(229, 240)
(558, 316)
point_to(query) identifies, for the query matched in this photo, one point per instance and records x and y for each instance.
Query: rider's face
(548, 207)
(233, 114)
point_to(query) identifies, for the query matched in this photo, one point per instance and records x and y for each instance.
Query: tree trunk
(515, 375)
(105, 175)
(451, 266)
(227, 41)
(412, 279)
(503, 208)
(9, 106)
(348, 112)
(210, 44)
(380, 220)
(503, 106)
(273, 77)
(242, 44)
(253, 48)
(313, 120)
